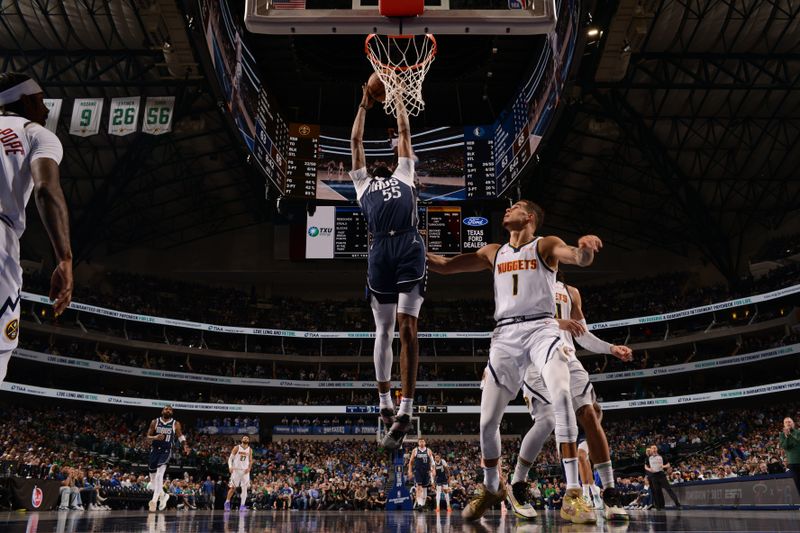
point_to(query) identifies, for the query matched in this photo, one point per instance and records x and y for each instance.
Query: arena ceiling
(682, 128)
(680, 131)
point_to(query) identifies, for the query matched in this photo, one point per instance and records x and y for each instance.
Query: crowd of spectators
(100, 458)
(230, 306)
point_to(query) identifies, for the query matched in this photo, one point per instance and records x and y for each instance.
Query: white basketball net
(401, 62)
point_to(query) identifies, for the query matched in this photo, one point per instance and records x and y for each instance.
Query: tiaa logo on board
(476, 221)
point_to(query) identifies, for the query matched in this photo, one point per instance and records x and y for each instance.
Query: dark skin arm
(179, 434)
(357, 134)
(53, 210)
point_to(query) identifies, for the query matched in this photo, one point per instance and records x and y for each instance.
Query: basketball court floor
(396, 522)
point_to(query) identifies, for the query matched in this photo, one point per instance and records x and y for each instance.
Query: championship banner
(53, 105)
(35, 494)
(123, 116)
(158, 115)
(86, 117)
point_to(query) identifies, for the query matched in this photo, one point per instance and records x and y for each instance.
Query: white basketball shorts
(538, 399)
(10, 284)
(516, 346)
(239, 478)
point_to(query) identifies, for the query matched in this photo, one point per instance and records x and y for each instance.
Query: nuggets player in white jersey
(162, 434)
(239, 464)
(396, 267)
(29, 159)
(526, 333)
(588, 413)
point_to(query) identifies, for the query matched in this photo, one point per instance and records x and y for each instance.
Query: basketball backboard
(462, 17)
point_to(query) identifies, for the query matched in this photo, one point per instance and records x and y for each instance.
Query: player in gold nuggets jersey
(526, 333)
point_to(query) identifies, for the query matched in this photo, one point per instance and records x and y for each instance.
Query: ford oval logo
(476, 221)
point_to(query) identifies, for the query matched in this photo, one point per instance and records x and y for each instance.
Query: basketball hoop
(401, 62)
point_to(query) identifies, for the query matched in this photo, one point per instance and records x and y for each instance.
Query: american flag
(289, 4)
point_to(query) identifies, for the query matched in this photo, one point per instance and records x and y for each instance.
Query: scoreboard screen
(335, 232)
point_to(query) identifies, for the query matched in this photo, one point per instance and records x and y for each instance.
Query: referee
(658, 479)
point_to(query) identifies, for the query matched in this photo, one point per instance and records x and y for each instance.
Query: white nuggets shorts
(517, 346)
(538, 399)
(10, 284)
(239, 478)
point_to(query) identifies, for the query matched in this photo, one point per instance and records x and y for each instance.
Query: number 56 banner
(123, 116)
(158, 115)
(86, 116)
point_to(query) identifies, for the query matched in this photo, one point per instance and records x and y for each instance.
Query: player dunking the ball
(29, 159)
(526, 333)
(239, 464)
(162, 433)
(396, 271)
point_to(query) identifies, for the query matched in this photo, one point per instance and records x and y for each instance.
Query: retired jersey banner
(158, 115)
(53, 105)
(123, 116)
(86, 116)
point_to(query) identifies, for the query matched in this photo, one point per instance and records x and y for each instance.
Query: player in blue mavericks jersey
(397, 269)
(421, 470)
(162, 434)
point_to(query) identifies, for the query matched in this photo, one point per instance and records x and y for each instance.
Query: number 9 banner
(158, 115)
(123, 116)
(86, 117)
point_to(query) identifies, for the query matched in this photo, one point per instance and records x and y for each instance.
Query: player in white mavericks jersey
(29, 159)
(239, 464)
(526, 333)
(573, 325)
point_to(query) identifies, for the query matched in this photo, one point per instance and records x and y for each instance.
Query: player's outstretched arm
(589, 340)
(553, 250)
(53, 211)
(404, 148)
(483, 259)
(357, 134)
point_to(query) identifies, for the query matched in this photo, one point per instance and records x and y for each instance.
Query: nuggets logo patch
(12, 329)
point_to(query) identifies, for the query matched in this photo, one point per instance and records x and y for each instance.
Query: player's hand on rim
(622, 352)
(572, 326)
(591, 242)
(61, 286)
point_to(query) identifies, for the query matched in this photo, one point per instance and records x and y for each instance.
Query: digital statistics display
(334, 232)
(301, 160)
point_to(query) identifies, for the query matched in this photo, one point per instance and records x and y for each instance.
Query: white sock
(156, 488)
(587, 491)
(385, 400)
(438, 495)
(491, 478)
(406, 407)
(606, 472)
(520, 472)
(571, 471)
(244, 496)
(447, 499)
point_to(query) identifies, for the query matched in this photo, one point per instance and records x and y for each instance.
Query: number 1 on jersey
(515, 277)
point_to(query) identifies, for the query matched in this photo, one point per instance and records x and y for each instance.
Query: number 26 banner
(158, 115)
(123, 116)
(86, 116)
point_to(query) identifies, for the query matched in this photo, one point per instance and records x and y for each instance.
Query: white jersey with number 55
(523, 283)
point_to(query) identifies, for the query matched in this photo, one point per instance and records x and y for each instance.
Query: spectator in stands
(69, 492)
(207, 490)
(790, 442)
